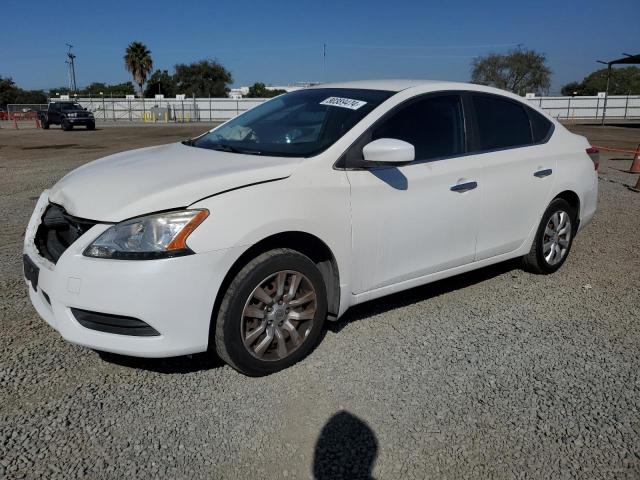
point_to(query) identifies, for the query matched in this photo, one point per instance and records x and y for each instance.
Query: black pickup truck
(67, 115)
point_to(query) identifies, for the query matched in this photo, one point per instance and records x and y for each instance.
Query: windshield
(71, 106)
(297, 124)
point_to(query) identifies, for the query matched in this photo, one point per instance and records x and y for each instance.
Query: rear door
(517, 171)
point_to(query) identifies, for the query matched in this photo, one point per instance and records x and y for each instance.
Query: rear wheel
(272, 313)
(553, 239)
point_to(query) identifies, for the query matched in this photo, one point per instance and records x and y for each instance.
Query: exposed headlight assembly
(161, 235)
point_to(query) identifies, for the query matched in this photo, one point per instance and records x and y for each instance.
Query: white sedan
(246, 238)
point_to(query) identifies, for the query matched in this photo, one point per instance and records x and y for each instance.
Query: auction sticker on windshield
(343, 102)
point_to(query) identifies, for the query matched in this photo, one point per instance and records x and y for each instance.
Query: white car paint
(387, 229)
(159, 178)
(389, 150)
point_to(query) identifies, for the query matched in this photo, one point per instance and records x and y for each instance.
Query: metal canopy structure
(626, 60)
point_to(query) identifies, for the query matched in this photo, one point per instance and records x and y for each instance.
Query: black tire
(44, 124)
(228, 337)
(535, 261)
(91, 126)
(66, 126)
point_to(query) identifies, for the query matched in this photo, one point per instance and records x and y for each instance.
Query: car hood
(152, 179)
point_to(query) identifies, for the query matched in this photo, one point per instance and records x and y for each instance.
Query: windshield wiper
(225, 147)
(188, 142)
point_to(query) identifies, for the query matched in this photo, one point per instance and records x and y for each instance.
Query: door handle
(463, 187)
(543, 173)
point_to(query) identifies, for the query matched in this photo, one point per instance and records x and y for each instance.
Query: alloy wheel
(556, 238)
(278, 315)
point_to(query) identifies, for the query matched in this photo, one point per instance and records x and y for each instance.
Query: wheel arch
(572, 199)
(307, 244)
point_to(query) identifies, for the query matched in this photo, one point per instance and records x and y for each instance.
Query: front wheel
(553, 239)
(66, 126)
(44, 124)
(91, 126)
(272, 313)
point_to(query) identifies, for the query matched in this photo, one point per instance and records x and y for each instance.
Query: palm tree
(138, 62)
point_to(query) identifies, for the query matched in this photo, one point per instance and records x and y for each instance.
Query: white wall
(205, 109)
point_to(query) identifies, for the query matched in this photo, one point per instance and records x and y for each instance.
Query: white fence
(212, 109)
(618, 107)
(167, 110)
(219, 109)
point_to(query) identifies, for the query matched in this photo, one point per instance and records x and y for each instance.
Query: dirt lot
(494, 374)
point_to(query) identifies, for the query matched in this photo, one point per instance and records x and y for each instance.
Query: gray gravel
(494, 374)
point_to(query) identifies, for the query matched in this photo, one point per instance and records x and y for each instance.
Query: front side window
(433, 125)
(297, 124)
(501, 123)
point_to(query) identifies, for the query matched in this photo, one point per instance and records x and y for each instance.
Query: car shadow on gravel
(172, 365)
(419, 294)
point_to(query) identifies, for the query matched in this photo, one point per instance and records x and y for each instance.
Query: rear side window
(541, 127)
(433, 125)
(501, 123)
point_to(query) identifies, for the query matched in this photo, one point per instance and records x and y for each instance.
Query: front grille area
(118, 324)
(58, 230)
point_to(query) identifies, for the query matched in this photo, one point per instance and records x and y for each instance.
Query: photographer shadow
(346, 449)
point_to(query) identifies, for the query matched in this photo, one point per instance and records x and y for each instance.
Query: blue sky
(281, 42)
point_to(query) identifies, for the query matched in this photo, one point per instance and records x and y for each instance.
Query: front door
(420, 218)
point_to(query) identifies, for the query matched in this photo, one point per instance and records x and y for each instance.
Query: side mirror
(389, 150)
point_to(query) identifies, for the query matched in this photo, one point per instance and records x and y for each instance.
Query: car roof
(397, 85)
(394, 85)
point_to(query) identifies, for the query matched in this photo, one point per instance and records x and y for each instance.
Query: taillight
(594, 153)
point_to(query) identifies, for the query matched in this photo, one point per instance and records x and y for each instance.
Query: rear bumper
(174, 296)
(589, 203)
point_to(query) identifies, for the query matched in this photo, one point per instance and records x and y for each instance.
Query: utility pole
(72, 68)
(324, 62)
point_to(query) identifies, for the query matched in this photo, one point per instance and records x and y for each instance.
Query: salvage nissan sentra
(248, 237)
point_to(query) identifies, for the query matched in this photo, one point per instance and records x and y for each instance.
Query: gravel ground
(493, 374)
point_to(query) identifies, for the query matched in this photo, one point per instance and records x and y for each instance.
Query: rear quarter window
(541, 127)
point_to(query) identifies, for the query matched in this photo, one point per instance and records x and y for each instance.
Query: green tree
(138, 62)
(572, 88)
(30, 96)
(11, 93)
(8, 91)
(259, 90)
(202, 79)
(118, 89)
(161, 81)
(624, 81)
(519, 71)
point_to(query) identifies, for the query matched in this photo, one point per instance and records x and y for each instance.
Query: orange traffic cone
(635, 166)
(15, 123)
(37, 123)
(637, 187)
